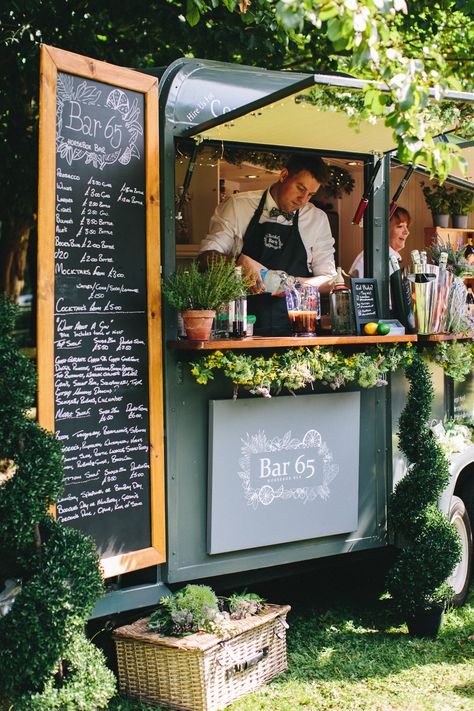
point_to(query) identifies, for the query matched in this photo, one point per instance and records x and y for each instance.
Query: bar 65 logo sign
(285, 468)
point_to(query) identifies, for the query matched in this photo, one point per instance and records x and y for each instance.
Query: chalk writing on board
(365, 300)
(100, 312)
(285, 467)
(83, 135)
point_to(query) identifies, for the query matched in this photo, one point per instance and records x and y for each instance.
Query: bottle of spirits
(402, 302)
(416, 261)
(340, 306)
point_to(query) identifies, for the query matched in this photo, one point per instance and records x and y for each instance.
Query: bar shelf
(286, 342)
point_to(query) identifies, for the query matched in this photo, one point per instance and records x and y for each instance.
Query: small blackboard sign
(366, 302)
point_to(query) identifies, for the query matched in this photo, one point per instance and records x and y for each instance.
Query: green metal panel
(187, 438)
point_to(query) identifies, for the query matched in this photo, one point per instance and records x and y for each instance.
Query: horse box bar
(177, 482)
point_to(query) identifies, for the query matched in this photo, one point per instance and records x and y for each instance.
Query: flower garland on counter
(297, 368)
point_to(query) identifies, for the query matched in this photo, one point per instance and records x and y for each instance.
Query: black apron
(277, 247)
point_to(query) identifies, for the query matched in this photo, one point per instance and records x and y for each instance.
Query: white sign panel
(282, 470)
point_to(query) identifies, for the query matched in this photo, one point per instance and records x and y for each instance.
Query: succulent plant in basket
(189, 289)
(197, 608)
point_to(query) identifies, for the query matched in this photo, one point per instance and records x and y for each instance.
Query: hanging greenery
(430, 547)
(298, 368)
(45, 660)
(372, 106)
(270, 160)
(339, 181)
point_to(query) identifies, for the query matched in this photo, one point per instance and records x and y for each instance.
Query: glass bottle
(275, 281)
(341, 308)
(443, 260)
(238, 314)
(416, 261)
(402, 302)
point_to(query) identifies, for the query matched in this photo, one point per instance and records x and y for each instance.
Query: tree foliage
(411, 49)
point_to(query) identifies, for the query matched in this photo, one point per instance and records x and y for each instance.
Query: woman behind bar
(399, 232)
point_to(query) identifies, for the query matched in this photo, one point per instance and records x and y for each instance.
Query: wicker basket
(201, 672)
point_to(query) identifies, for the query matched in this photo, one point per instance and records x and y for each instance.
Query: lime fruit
(371, 328)
(383, 329)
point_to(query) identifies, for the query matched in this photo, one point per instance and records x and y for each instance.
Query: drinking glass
(304, 309)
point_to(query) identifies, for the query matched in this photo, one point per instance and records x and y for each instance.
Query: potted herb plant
(197, 294)
(437, 197)
(461, 205)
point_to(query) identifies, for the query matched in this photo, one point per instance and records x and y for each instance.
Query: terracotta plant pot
(198, 324)
(426, 623)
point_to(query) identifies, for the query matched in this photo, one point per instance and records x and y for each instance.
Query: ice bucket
(430, 293)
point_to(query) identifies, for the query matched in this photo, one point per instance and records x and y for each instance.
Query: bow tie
(275, 212)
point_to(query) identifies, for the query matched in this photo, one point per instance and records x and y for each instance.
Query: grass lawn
(349, 650)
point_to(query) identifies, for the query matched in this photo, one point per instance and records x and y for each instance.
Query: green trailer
(247, 487)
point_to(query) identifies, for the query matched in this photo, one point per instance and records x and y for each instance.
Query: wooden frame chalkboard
(99, 303)
(366, 302)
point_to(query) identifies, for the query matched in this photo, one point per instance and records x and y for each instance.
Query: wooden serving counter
(435, 337)
(286, 342)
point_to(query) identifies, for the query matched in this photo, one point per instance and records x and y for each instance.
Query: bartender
(279, 229)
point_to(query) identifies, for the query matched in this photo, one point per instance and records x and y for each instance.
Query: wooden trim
(52, 61)
(432, 234)
(101, 71)
(46, 236)
(286, 342)
(155, 355)
(187, 251)
(434, 337)
(126, 563)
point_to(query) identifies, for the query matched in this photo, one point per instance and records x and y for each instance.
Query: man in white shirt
(276, 229)
(399, 233)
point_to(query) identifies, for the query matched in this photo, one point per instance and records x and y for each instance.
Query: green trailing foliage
(429, 545)
(45, 660)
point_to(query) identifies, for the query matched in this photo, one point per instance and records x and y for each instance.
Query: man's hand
(251, 270)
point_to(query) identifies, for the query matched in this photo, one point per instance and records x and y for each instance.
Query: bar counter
(286, 342)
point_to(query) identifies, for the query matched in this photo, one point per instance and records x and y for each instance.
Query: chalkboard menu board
(101, 313)
(365, 300)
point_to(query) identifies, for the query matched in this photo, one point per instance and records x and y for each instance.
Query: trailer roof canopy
(294, 117)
